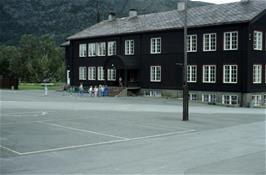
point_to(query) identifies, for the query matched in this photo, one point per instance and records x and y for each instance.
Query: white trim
(111, 48)
(209, 73)
(82, 50)
(156, 74)
(230, 74)
(210, 42)
(82, 73)
(157, 47)
(129, 47)
(190, 73)
(100, 73)
(231, 40)
(190, 43)
(257, 40)
(92, 73)
(257, 74)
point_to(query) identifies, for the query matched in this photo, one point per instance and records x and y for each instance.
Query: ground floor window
(111, 74)
(155, 73)
(256, 100)
(208, 98)
(192, 97)
(82, 73)
(100, 73)
(91, 73)
(230, 99)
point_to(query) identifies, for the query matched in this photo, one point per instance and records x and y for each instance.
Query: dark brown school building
(226, 53)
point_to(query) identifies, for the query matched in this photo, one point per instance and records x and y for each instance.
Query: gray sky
(218, 1)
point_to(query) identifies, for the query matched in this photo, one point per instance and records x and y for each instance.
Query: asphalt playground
(69, 134)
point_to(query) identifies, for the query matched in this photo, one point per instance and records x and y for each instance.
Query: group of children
(95, 91)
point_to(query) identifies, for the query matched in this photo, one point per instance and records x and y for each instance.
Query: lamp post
(185, 85)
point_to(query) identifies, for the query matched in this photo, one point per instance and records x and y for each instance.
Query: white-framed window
(92, 49)
(82, 73)
(231, 40)
(256, 100)
(208, 98)
(230, 99)
(155, 73)
(191, 73)
(111, 74)
(100, 73)
(101, 49)
(257, 40)
(156, 45)
(129, 47)
(230, 73)
(209, 73)
(91, 73)
(192, 97)
(209, 42)
(192, 43)
(82, 50)
(257, 73)
(111, 48)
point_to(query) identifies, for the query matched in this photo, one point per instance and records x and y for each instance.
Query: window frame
(230, 100)
(129, 47)
(82, 50)
(92, 49)
(209, 73)
(209, 42)
(111, 74)
(82, 74)
(256, 42)
(156, 45)
(190, 73)
(101, 49)
(190, 43)
(154, 74)
(100, 73)
(112, 47)
(91, 73)
(230, 74)
(231, 41)
(255, 76)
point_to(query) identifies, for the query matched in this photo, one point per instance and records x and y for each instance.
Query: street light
(183, 7)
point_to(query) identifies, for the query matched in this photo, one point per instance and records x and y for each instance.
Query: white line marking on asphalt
(11, 150)
(35, 113)
(84, 130)
(102, 143)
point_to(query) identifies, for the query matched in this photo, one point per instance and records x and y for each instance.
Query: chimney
(244, 1)
(181, 6)
(133, 13)
(111, 16)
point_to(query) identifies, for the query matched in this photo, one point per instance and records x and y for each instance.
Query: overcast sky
(218, 1)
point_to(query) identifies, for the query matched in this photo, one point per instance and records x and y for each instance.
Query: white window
(192, 43)
(192, 97)
(209, 98)
(101, 49)
(82, 50)
(231, 40)
(111, 74)
(256, 100)
(82, 73)
(100, 73)
(91, 73)
(129, 47)
(155, 73)
(92, 49)
(209, 74)
(257, 74)
(209, 42)
(191, 73)
(230, 99)
(230, 74)
(155, 45)
(111, 48)
(257, 40)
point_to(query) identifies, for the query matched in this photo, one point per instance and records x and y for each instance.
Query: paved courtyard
(69, 134)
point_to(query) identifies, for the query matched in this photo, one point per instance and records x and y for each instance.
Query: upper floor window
(191, 73)
(156, 45)
(231, 40)
(257, 40)
(155, 73)
(91, 73)
(111, 48)
(209, 74)
(101, 49)
(92, 49)
(82, 73)
(209, 42)
(230, 74)
(192, 43)
(100, 73)
(129, 47)
(257, 74)
(82, 50)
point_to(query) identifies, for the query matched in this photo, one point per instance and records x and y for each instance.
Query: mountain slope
(62, 18)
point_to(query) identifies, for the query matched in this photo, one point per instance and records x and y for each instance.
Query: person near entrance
(120, 82)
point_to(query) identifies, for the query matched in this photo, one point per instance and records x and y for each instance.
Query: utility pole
(185, 85)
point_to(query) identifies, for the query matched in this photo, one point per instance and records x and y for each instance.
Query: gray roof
(67, 43)
(197, 17)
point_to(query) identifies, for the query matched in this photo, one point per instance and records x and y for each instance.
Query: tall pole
(185, 85)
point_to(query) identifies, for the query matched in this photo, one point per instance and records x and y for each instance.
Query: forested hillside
(61, 18)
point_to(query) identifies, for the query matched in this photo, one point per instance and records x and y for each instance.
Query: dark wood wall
(172, 56)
